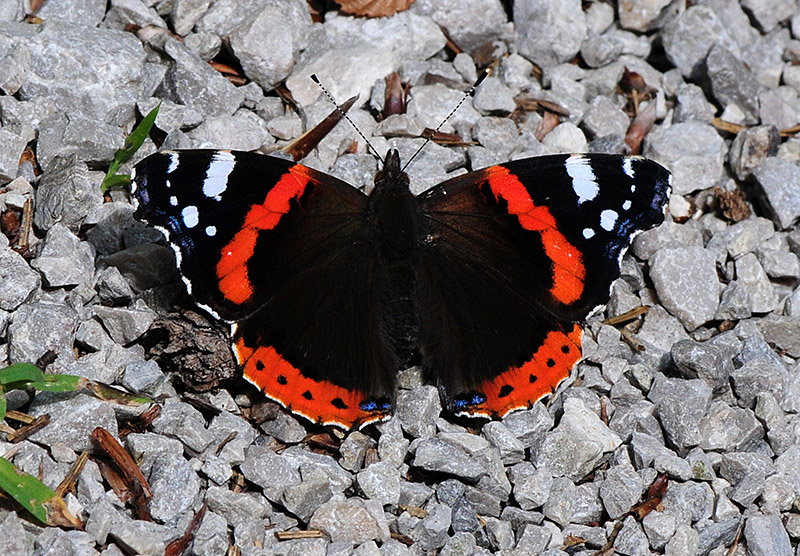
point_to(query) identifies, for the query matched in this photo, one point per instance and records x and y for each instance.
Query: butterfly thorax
(393, 213)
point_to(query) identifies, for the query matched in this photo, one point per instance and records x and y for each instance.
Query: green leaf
(132, 144)
(111, 394)
(32, 494)
(27, 490)
(116, 180)
(20, 372)
(59, 383)
(20, 376)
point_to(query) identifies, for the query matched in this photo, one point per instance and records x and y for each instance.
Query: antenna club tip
(484, 74)
(314, 78)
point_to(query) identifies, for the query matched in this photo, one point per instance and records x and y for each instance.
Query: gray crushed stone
(17, 280)
(65, 194)
(703, 390)
(73, 417)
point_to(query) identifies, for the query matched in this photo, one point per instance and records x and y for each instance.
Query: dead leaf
(548, 123)
(303, 145)
(394, 99)
(24, 432)
(325, 442)
(58, 514)
(130, 473)
(68, 483)
(232, 74)
(627, 316)
(722, 125)
(443, 138)
(374, 8)
(294, 535)
(640, 127)
(633, 82)
(790, 131)
(732, 204)
(179, 545)
(655, 493)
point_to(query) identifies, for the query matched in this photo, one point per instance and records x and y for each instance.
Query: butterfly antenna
(484, 74)
(374, 152)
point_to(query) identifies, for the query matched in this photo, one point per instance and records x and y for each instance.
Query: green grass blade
(20, 372)
(36, 497)
(3, 403)
(111, 394)
(132, 144)
(20, 376)
(59, 383)
(117, 180)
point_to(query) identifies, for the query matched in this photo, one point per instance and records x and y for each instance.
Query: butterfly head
(391, 176)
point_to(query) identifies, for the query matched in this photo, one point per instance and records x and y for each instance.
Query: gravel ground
(709, 400)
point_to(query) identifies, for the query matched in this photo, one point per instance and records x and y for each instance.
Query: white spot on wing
(216, 181)
(588, 233)
(173, 200)
(179, 262)
(211, 231)
(627, 167)
(175, 248)
(584, 182)
(626, 205)
(173, 162)
(190, 216)
(607, 219)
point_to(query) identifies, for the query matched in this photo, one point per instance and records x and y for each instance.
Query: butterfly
(483, 280)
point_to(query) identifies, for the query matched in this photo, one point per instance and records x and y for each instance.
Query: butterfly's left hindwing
(516, 255)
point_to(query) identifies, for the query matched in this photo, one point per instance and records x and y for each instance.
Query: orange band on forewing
(536, 378)
(569, 273)
(318, 401)
(234, 280)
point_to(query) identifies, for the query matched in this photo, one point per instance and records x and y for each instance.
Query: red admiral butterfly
(481, 279)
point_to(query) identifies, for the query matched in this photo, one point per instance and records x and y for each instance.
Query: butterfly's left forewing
(217, 204)
(516, 256)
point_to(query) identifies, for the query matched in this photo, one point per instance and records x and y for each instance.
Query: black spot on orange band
(500, 398)
(319, 401)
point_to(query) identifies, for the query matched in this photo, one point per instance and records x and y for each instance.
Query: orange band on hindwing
(318, 401)
(568, 271)
(232, 271)
(520, 387)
